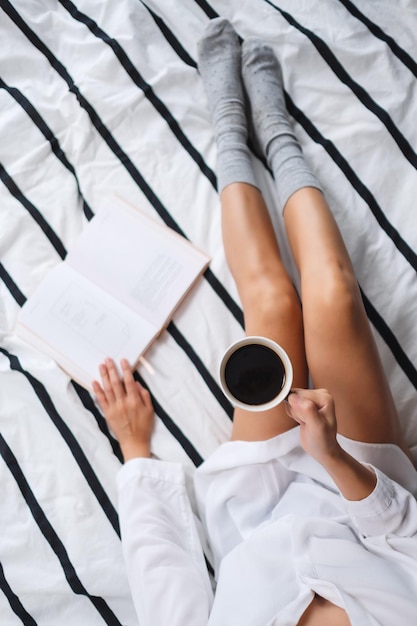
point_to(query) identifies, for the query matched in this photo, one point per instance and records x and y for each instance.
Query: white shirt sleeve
(388, 510)
(161, 547)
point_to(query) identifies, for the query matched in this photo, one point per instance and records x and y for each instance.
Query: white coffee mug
(255, 373)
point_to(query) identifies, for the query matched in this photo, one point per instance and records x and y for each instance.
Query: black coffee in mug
(254, 374)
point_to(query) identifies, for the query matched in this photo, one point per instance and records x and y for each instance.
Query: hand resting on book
(127, 407)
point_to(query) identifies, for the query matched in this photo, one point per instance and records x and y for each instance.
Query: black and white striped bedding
(103, 97)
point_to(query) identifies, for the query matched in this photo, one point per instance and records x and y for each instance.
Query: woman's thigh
(321, 612)
(341, 352)
(270, 303)
(280, 321)
(343, 357)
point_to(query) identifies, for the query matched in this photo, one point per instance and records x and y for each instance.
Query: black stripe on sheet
(357, 89)
(205, 374)
(15, 604)
(70, 440)
(51, 536)
(118, 152)
(89, 404)
(208, 10)
(36, 215)
(49, 136)
(170, 425)
(224, 295)
(171, 39)
(390, 339)
(355, 181)
(11, 286)
(379, 33)
(143, 85)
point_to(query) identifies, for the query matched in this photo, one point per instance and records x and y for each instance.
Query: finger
(107, 386)
(302, 409)
(129, 381)
(293, 408)
(291, 414)
(100, 395)
(144, 394)
(319, 397)
(114, 378)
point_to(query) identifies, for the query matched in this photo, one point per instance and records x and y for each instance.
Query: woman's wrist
(135, 449)
(354, 480)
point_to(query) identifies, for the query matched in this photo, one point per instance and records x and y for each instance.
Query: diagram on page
(96, 324)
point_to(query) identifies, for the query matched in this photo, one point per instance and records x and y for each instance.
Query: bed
(99, 98)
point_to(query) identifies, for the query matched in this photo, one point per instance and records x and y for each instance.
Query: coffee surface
(254, 374)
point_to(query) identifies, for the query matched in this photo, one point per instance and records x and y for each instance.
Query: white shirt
(279, 531)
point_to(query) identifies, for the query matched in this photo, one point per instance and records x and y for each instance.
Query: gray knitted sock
(219, 62)
(263, 83)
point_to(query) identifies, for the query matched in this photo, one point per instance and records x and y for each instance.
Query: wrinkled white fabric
(279, 530)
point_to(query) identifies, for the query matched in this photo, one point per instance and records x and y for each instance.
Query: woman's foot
(219, 62)
(262, 78)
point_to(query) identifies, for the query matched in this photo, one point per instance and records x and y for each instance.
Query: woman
(311, 520)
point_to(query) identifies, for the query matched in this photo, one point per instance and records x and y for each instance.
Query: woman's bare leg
(270, 304)
(340, 347)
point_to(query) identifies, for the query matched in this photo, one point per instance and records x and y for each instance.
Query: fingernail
(289, 393)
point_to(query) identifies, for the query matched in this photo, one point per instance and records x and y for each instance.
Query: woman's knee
(335, 297)
(273, 302)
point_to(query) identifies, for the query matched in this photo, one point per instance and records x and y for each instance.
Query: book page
(79, 324)
(145, 265)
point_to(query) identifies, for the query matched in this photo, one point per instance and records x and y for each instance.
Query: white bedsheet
(102, 97)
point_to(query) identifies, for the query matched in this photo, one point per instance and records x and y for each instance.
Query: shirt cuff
(162, 471)
(378, 501)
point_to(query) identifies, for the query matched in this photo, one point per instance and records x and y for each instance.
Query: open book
(114, 293)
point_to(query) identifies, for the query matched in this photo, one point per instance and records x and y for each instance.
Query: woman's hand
(127, 407)
(314, 410)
